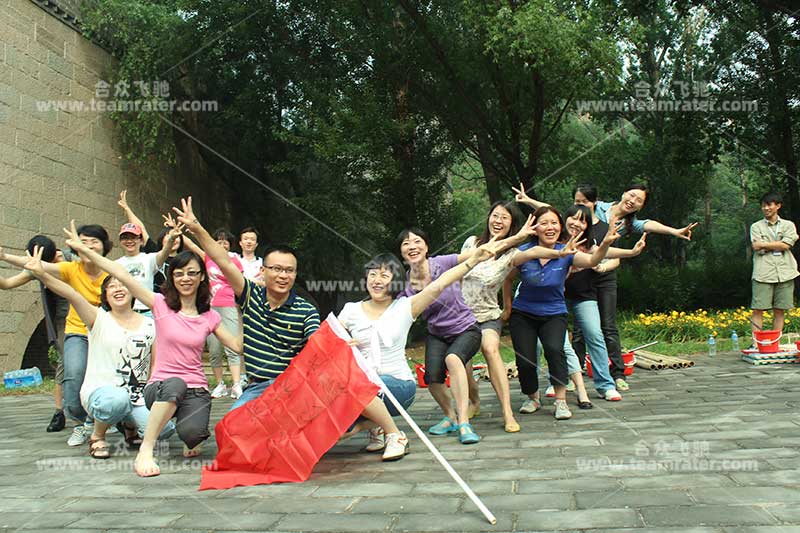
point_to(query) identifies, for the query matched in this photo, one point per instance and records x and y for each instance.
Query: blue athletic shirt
(541, 292)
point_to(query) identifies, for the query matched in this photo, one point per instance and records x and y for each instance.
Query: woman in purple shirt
(454, 336)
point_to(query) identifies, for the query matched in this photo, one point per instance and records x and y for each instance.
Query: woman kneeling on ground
(120, 343)
(183, 316)
(379, 326)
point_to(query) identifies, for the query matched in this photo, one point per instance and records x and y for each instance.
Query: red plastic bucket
(420, 369)
(628, 358)
(767, 340)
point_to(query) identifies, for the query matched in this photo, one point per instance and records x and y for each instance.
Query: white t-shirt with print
(251, 269)
(118, 357)
(382, 341)
(481, 285)
(143, 268)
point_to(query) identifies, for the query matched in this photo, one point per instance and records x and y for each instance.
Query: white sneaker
(611, 395)
(530, 406)
(396, 446)
(79, 436)
(220, 390)
(550, 392)
(236, 391)
(377, 440)
(243, 381)
(562, 410)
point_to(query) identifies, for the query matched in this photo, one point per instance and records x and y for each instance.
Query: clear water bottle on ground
(735, 341)
(712, 346)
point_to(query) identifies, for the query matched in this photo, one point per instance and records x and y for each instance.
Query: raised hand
(529, 228)
(485, 251)
(34, 263)
(521, 195)
(571, 246)
(614, 225)
(685, 232)
(640, 244)
(123, 200)
(73, 241)
(186, 214)
(169, 222)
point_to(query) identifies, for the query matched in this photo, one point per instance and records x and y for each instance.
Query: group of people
(136, 327)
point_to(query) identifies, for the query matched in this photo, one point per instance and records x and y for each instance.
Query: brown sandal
(99, 449)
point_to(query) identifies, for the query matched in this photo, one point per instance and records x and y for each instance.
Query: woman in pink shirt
(177, 386)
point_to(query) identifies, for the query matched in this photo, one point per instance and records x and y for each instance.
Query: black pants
(526, 330)
(606, 286)
(193, 407)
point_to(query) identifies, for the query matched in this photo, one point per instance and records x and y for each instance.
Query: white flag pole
(337, 327)
(439, 457)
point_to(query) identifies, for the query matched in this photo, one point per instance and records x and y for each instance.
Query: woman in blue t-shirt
(540, 312)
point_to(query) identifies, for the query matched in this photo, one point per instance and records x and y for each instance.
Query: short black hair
(98, 232)
(772, 197)
(104, 297)
(586, 189)
(279, 248)
(403, 235)
(586, 216)
(249, 229)
(46, 244)
(222, 233)
(391, 263)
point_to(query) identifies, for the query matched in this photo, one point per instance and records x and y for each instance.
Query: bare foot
(474, 409)
(193, 452)
(145, 465)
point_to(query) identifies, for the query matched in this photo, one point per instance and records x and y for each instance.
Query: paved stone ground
(711, 448)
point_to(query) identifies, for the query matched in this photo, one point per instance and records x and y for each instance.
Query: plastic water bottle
(712, 346)
(735, 341)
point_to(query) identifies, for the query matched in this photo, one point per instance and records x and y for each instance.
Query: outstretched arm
(112, 267)
(624, 253)
(86, 311)
(526, 231)
(217, 253)
(685, 233)
(428, 295)
(523, 198)
(542, 252)
(17, 280)
(584, 260)
(20, 260)
(131, 216)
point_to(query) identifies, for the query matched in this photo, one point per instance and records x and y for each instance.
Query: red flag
(281, 435)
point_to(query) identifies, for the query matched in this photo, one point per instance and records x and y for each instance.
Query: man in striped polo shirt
(277, 321)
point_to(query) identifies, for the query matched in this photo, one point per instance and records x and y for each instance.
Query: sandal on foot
(98, 449)
(512, 427)
(585, 405)
(130, 434)
(468, 435)
(444, 427)
(192, 452)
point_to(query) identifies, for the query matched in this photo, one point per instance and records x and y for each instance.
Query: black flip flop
(585, 405)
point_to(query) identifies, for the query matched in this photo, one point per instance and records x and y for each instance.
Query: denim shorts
(403, 390)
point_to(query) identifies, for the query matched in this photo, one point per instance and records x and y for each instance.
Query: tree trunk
(493, 188)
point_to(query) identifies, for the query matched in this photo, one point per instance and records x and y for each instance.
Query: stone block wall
(59, 165)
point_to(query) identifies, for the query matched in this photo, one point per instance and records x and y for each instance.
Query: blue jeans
(110, 404)
(403, 390)
(76, 351)
(253, 391)
(587, 317)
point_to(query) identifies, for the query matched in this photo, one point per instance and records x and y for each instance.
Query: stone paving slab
(713, 448)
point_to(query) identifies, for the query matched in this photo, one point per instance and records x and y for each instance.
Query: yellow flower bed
(682, 326)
